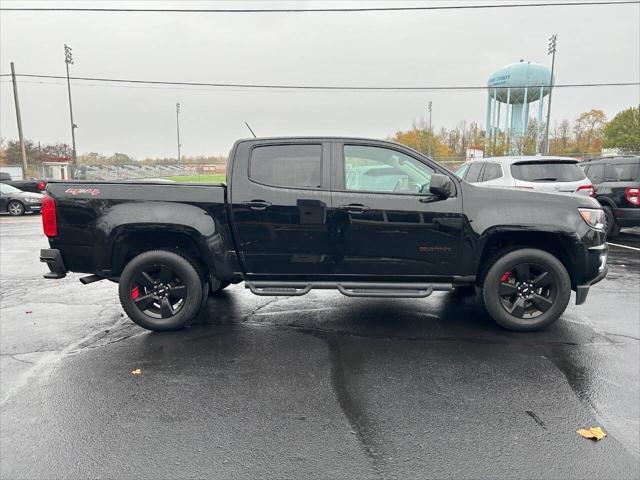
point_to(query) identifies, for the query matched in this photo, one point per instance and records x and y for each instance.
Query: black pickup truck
(366, 217)
(33, 185)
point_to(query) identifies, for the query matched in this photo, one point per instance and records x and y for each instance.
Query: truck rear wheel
(526, 289)
(160, 290)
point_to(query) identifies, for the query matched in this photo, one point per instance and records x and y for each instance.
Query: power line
(310, 87)
(316, 10)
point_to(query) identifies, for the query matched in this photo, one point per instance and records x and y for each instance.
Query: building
(54, 168)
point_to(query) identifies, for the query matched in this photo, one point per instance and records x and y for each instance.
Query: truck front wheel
(526, 289)
(160, 290)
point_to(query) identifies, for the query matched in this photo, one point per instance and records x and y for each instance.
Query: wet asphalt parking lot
(312, 387)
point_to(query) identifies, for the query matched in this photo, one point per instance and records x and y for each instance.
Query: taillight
(632, 194)
(49, 222)
(588, 189)
(41, 185)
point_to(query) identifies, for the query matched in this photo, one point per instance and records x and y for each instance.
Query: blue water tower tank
(517, 85)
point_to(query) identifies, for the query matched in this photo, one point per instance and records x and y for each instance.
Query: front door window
(382, 170)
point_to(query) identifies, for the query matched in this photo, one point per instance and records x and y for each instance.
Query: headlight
(33, 200)
(594, 217)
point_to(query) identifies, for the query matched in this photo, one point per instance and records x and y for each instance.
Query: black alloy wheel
(158, 292)
(161, 290)
(527, 291)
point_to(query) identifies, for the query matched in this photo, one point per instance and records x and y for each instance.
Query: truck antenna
(254, 135)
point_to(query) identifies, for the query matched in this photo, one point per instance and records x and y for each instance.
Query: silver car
(542, 174)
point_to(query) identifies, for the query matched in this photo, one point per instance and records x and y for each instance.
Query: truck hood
(499, 195)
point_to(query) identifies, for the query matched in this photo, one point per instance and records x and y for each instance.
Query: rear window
(547, 171)
(295, 166)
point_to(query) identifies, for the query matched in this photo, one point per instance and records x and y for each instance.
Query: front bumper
(596, 256)
(33, 207)
(627, 217)
(53, 258)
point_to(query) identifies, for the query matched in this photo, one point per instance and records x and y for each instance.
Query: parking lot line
(623, 246)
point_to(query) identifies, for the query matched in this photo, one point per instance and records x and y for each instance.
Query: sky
(417, 48)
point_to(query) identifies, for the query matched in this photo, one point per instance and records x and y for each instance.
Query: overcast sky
(595, 44)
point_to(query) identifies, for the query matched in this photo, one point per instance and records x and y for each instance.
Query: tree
(623, 131)
(588, 130)
(419, 138)
(14, 154)
(563, 137)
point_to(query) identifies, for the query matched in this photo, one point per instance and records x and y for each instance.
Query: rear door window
(596, 173)
(547, 171)
(610, 174)
(293, 166)
(491, 172)
(473, 174)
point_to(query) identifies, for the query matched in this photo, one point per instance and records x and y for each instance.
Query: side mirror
(441, 185)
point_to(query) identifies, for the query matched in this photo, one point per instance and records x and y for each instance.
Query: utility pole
(19, 119)
(430, 132)
(178, 129)
(551, 51)
(68, 60)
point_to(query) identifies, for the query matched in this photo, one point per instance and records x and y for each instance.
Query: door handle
(354, 208)
(428, 199)
(256, 204)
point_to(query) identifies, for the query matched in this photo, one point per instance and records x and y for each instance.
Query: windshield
(8, 189)
(560, 171)
(461, 171)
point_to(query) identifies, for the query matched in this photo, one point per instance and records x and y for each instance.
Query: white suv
(542, 174)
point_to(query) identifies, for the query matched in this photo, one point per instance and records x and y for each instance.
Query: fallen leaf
(594, 433)
(137, 372)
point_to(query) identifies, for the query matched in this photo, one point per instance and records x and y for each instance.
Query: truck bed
(95, 217)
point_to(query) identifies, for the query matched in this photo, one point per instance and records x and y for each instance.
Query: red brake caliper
(135, 292)
(505, 276)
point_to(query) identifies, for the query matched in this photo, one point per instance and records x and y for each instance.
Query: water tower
(517, 86)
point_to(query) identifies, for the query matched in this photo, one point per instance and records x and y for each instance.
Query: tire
(15, 208)
(218, 287)
(613, 229)
(161, 290)
(519, 297)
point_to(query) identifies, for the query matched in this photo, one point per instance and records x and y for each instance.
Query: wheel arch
(500, 241)
(606, 201)
(133, 228)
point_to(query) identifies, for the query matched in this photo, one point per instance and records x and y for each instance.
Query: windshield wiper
(550, 179)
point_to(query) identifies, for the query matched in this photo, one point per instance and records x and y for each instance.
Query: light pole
(552, 52)
(430, 133)
(23, 153)
(68, 60)
(178, 129)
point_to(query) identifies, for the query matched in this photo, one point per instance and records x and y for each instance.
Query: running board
(349, 289)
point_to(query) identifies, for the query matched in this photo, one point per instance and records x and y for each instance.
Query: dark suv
(617, 184)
